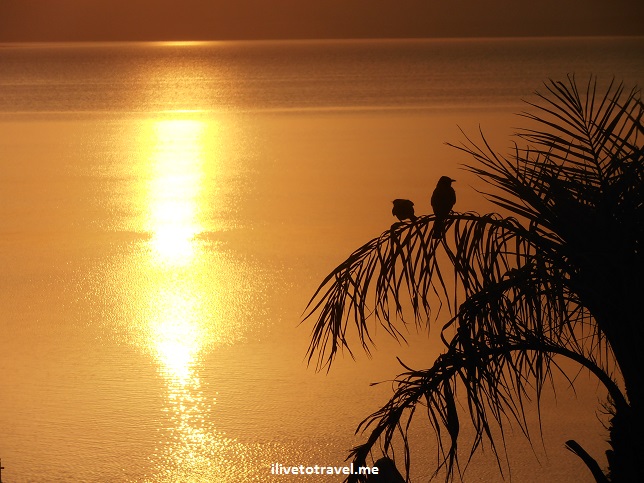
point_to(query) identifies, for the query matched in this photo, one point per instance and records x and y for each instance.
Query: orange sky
(69, 20)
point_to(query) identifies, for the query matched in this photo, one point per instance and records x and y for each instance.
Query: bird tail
(439, 228)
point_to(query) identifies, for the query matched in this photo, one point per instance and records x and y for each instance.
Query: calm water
(166, 210)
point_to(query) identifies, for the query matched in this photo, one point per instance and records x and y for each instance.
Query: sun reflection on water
(178, 316)
(190, 297)
(175, 189)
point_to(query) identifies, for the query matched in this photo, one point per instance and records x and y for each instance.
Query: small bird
(388, 473)
(443, 200)
(403, 210)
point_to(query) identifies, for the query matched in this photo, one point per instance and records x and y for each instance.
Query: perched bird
(403, 210)
(443, 200)
(388, 473)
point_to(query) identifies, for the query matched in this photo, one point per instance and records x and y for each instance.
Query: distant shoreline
(178, 43)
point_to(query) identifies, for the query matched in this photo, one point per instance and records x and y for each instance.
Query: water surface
(168, 209)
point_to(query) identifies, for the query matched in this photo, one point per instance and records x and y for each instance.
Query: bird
(387, 472)
(443, 200)
(403, 210)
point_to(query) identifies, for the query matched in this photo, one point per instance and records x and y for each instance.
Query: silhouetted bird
(388, 473)
(443, 200)
(403, 210)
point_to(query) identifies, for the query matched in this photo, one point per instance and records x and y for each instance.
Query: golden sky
(70, 20)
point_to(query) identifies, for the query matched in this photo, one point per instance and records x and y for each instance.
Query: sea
(168, 209)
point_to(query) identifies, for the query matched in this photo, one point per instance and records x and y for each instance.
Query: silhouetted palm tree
(562, 278)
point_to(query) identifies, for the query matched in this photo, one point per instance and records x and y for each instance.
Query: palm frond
(407, 263)
(520, 291)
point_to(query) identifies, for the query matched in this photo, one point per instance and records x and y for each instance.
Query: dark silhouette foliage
(558, 278)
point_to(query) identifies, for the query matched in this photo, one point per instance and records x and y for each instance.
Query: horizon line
(323, 39)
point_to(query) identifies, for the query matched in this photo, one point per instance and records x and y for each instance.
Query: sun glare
(176, 332)
(179, 152)
(183, 284)
(175, 189)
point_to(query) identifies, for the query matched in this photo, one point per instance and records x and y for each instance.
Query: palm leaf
(521, 291)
